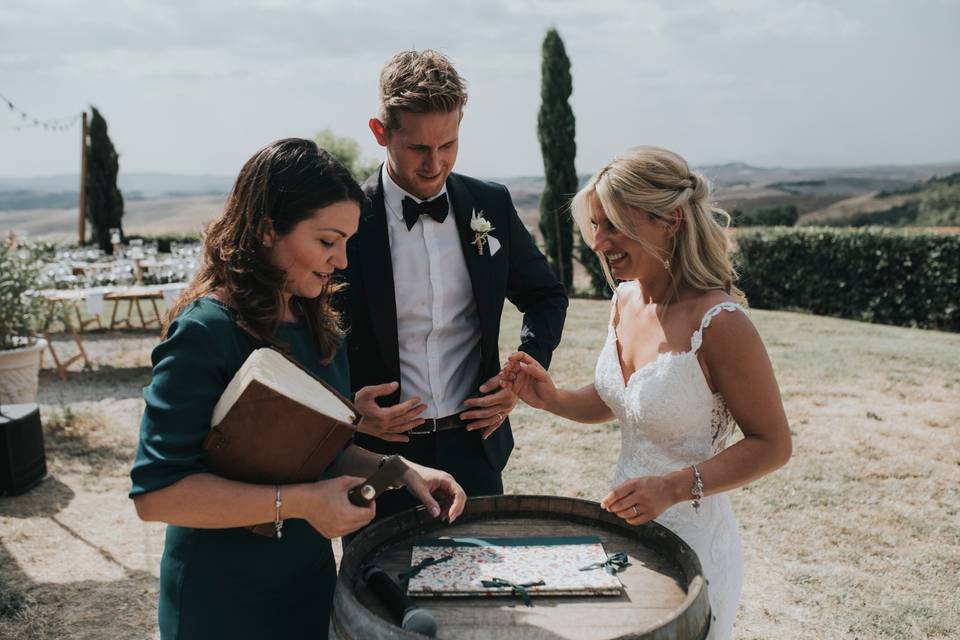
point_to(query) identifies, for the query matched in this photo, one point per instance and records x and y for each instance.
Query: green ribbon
(517, 589)
(615, 563)
(429, 561)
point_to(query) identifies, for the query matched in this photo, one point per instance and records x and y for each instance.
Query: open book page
(273, 370)
(554, 561)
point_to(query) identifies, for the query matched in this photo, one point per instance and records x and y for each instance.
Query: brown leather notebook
(276, 423)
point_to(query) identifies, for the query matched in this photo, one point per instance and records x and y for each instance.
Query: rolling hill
(935, 202)
(172, 203)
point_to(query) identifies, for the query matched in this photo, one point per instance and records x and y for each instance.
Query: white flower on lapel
(481, 229)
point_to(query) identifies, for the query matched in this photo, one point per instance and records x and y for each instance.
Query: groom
(426, 287)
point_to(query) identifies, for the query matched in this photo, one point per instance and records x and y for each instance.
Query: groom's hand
(489, 411)
(387, 423)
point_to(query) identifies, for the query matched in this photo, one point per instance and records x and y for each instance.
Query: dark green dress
(226, 583)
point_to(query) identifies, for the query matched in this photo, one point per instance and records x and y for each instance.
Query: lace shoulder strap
(615, 302)
(711, 313)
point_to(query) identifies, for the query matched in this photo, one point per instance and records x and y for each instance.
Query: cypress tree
(104, 200)
(556, 129)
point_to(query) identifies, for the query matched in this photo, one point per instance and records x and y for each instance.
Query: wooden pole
(82, 222)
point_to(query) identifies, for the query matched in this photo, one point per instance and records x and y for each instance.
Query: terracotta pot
(19, 370)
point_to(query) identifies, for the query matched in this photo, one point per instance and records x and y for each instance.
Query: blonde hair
(419, 82)
(656, 182)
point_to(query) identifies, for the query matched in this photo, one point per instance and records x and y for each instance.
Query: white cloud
(799, 19)
(724, 80)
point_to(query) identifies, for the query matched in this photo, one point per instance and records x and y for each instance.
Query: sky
(197, 86)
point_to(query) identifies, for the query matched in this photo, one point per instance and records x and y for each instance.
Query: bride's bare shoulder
(728, 329)
(695, 307)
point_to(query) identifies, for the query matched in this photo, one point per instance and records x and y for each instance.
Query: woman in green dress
(265, 278)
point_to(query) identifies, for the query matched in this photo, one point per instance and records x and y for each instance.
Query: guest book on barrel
(277, 423)
(531, 566)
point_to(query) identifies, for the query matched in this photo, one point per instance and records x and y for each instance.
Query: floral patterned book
(524, 567)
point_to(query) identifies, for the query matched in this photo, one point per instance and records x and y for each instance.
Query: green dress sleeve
(191, 368)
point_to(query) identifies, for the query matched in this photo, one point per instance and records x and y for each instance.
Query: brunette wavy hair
(283, 184)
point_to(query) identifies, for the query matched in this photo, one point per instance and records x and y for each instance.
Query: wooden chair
(70, 303)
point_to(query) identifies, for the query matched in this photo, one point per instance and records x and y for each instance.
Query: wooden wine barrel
(665, 592)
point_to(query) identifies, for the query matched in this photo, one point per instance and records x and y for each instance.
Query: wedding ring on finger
(499, 417)
(636, 511)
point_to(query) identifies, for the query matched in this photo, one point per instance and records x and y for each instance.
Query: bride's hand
(640, 500)
(529, 380)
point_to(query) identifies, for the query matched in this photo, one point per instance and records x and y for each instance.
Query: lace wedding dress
(669, 419)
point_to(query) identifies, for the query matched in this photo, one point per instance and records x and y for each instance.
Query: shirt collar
(393, 195)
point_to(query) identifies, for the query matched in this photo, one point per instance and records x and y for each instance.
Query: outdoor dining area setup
(85, 289)
(52, 295)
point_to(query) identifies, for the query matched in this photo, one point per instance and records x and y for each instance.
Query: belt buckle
(429, 427)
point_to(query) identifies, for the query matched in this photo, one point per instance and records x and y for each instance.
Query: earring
(666, 264)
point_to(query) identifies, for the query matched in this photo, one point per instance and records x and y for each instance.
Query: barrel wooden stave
(665, 596)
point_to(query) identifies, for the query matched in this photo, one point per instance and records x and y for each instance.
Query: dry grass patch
(74, 560)
(858, 537)
(77, 443)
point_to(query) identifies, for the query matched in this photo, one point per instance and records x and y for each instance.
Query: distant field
(864, 203)
(189, 214)
(818, 194)
(155, 216)
(747, 202)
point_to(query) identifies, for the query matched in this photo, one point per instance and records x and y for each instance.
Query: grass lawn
(857, 537)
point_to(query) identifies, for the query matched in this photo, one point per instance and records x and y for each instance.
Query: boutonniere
(481, 229)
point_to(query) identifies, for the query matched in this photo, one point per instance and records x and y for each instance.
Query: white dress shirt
(438, 328)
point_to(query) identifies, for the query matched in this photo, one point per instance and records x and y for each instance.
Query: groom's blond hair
(659, 184)
(419, 82)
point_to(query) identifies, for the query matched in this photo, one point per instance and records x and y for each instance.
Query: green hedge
(902, 277)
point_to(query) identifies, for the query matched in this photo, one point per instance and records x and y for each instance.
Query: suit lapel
(377, 272)
(481, 272)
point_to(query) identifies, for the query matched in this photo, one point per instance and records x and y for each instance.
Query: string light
(28, 121)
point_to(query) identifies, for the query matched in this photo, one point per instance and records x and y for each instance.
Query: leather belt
(433, 425)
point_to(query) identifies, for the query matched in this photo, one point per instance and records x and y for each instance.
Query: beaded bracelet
(277, 520)
(697, 490)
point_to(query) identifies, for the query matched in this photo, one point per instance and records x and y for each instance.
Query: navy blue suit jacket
(518, 272)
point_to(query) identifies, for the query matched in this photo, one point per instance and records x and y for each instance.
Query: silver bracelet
(697, 490)
(277, 520)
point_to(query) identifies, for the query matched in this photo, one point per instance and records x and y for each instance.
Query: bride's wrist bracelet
(697, 491)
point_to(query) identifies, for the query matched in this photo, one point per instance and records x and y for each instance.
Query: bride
(682, 364)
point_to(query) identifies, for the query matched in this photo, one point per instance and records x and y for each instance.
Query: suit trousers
(457, 451)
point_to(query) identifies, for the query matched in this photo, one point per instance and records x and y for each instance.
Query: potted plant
(22, 314)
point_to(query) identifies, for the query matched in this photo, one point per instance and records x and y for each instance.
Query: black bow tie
(436, 209)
